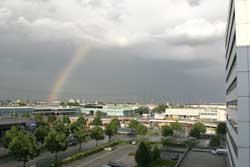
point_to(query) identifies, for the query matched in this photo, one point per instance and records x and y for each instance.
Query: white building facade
(237, 45)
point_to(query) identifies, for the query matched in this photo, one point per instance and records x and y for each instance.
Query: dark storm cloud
(135, 55)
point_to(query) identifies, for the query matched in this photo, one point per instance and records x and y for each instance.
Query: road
(204, 159)
(47, 157)
(119, 155)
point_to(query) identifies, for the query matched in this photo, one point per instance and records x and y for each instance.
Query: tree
(133, 124)
(221, 131)
(16, 114)
(55, 142)
(97, 134)
(142, 156)
(9, 135)
(198, 129)
(51, 119)
(156, 153)
(115, 121)
(97, 121)
(26, 115)
(214, 142)
(41, 132)
(110, 130)
(176, 126)
(66, 120)
(141, 129)
(40, 120)
(81, 120)
(167, 131)
(142, 110)
(160, 108)
(81, 135)
(221, 128)
(23, 147)
(59, 126)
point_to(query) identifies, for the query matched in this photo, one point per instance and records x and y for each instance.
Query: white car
(219, 151)
(133, 142)
(108, 149)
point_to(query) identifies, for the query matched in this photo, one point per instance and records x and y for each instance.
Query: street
(119, 155)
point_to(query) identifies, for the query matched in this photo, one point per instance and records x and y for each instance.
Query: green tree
(81, 136)
(97, 134)
(115, 121)
(198, 129)
(221, 128)
(133, 124)
(81, 120)
(160, 108)
(9, 135)
(214, 142)
(26, 115)
(40, 120)
(16, 114)
(23, 147)
(41, 133)
(97, 121)
(59, 126)
(142, 110)
(156, 153)
(55, 142)
(66, 120)
(142, 156)
(176, 126)
(51, 119)
(110, 130)
(167, 131)
(141, 129)
(221, 131)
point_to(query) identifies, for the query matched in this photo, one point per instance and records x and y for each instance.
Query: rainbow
(63, 76)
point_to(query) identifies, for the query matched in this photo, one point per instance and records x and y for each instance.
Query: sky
(148, 51)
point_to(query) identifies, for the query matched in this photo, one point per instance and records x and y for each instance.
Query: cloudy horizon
(145, 51)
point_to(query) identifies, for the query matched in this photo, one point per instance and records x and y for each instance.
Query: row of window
(229, 29)
(231, 67)
(230, 154)
(233, 143)
(232, 86)
(232, 104)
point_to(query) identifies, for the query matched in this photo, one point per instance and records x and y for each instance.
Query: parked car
(108, 149)
(133, 142)
(219, 151)
(112, 164)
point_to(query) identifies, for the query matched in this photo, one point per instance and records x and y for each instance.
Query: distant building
(57, 111)
(113, 110)
(12, 111)
(237, 44)
(193, 114)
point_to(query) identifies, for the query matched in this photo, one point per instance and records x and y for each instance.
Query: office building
(237, 42)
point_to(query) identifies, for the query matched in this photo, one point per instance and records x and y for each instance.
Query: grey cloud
(194, 2)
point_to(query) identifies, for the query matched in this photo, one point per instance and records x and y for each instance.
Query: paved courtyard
(203, 159)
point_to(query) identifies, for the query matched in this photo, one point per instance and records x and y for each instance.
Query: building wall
(11, 111)
(237, 45)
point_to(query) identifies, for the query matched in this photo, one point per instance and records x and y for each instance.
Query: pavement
(119, 155)
(203, 159)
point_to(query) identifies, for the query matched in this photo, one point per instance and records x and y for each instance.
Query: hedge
(88, 152)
